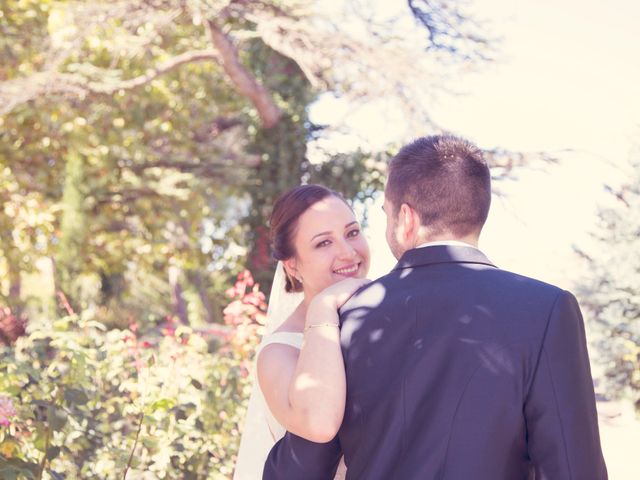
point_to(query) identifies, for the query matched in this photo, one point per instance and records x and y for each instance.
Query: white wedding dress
(261, 430)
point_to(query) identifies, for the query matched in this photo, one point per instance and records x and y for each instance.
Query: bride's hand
(336, 295)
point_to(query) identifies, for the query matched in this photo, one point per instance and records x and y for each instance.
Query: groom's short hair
(446, 180)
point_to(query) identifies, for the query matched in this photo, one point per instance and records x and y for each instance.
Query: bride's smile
(350, 271)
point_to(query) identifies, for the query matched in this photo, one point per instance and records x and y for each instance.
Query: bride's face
(329, 246)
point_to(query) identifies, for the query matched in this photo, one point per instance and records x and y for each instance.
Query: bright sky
(567, 78)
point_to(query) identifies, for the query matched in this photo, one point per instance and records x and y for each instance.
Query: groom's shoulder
(487, 274)
(517, 287)
(521, 281)
(500, 282)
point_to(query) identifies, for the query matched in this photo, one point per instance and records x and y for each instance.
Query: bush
(96, 403)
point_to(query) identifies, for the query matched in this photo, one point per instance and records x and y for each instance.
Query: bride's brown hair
(284, 220)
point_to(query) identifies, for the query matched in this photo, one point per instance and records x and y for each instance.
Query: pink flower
(6, 411)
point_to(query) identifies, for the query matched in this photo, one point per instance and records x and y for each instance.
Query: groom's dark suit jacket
(457, 370)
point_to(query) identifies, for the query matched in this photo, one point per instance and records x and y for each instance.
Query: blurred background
(143, 142)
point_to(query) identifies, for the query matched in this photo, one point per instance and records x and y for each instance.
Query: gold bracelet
(316, 325)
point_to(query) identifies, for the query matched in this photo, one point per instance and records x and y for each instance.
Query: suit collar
(441, 254)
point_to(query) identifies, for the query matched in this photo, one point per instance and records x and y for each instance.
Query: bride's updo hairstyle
(284, 221)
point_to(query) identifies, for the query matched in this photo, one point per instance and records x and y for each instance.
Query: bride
(322, 260)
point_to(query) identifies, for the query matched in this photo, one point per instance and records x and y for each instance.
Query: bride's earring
(294, 281)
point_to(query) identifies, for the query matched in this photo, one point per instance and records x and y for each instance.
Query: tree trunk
(73, 229)
(243, 81)
(197, 281)
(15, 289)
(179, 304)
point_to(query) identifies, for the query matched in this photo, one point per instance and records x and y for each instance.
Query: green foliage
(94, 403)
(18, 17)
(126, 183)
(154, 195)
(26, 226)
(611, 293)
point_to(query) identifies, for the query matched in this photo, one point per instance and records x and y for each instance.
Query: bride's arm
(306, 392)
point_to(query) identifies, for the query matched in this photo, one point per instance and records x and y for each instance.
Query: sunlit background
(565, 82)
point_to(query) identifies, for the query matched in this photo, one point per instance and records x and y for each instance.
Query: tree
(159, 132)
(611, 291)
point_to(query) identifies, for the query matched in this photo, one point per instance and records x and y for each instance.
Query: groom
(455, 369)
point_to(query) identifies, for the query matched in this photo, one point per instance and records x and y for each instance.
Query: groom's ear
(408, 220)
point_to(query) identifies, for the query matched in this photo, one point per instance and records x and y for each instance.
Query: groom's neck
(471, 239)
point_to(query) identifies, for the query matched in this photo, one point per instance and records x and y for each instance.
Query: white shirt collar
(447, 242)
